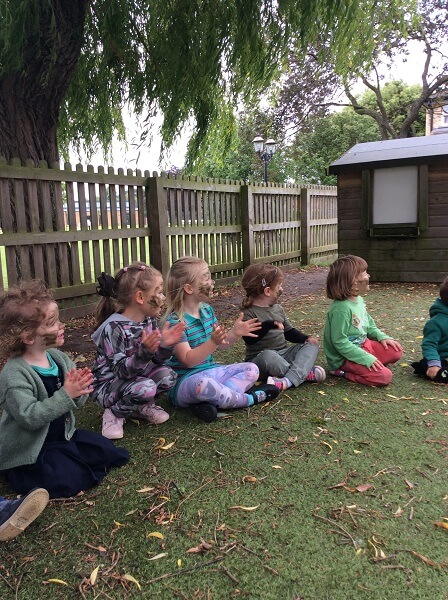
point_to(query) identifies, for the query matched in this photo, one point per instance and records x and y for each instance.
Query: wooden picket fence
(67, 226)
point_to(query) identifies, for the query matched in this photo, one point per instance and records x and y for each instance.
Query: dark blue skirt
(64, 468)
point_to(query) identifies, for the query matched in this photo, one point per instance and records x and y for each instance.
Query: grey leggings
(294, 362)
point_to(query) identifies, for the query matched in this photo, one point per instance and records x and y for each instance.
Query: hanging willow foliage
(187, 58)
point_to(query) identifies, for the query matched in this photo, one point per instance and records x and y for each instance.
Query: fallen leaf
(128, 577)
(338, 485)
(202, 547)
(59, 581)
(364, 487)
(248, 508)
(321, 393)
(277, 467)
(328, 446)
(249, 479)
(179, 562)
(292, 439)
(157, 556)
(441, 524)
(168, 446)
(357, 451)
(117, 524)
(93, 576)
(409, 484)
(155, 534)
(145, 489)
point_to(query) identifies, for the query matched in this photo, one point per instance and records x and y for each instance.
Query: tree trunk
(31, 97)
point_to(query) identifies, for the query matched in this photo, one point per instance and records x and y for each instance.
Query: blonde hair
(122, 287)
(342, 274)
(256, 278)
(183, 271)
(22, 310)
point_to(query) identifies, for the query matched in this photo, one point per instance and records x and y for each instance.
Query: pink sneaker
(112, 426)
(316, 374)
(152, 413)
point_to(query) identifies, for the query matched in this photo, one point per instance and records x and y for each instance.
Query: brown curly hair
(22, 310)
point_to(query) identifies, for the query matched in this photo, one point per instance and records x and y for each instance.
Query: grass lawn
(331, 492)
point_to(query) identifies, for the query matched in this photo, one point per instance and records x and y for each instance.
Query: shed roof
(427, 149)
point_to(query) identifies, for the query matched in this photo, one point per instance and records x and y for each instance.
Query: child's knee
(384, 377)
(252, 371)
(144, 390)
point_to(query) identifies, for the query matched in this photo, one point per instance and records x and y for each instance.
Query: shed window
(395, 201)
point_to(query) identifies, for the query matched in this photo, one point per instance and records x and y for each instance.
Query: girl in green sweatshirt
(354, 346)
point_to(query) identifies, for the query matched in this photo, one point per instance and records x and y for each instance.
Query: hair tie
(140, 267)
(107, 286)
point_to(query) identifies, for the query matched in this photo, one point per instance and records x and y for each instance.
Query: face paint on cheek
(154, 302)
(49, 339)
(207, 290)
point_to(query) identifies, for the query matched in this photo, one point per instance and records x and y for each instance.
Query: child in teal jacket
(434, 364)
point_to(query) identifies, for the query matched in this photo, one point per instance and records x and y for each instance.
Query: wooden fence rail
(67, 226)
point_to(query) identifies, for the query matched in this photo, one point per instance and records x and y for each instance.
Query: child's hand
(393, 343)
(313, 340)
(245, 328)
(151, 341)
(432, 372)
(279, 325)
(172, 335)
(219, 335)
(377, 366)
(78, 383)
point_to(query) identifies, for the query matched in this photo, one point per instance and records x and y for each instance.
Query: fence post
(247, 221)
(158, 224)
(304, 226)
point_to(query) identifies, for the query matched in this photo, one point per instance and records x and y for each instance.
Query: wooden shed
(393, 207)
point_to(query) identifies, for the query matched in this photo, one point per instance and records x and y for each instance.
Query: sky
(147, 156)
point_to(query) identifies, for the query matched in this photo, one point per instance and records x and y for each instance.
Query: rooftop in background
(428, 149)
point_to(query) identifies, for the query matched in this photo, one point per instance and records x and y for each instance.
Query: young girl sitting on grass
(355, 348)
(129, 369)
(202, 385)
(39, 388)
(281, 364)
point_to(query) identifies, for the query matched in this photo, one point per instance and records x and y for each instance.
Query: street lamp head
(258, 143)
(270, 146)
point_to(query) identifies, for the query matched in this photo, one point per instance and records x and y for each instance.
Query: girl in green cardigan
(39, 388)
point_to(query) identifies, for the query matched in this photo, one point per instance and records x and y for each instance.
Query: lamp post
(265, 151)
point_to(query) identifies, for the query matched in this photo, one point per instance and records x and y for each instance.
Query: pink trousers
(361, 374)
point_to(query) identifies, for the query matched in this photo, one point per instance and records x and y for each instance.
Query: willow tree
(67, 67)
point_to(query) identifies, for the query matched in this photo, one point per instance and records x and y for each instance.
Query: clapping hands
(78, 382)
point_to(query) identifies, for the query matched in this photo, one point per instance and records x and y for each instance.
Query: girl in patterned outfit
(129, 369)
(39, 389)
(202, 385)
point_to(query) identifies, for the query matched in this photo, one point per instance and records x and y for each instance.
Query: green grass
(298, 461)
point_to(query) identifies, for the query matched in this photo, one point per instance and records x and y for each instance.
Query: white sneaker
(112, 426)
(152, 413)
